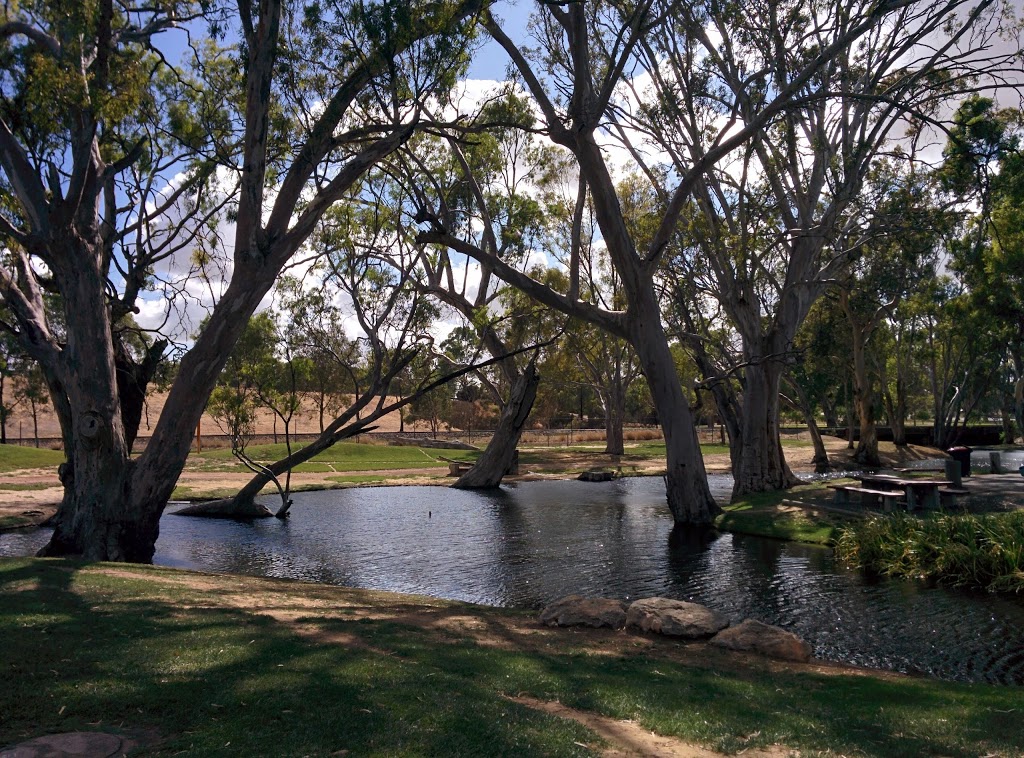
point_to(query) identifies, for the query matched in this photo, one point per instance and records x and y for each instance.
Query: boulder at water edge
(674, 618)
(756, 637)
(576, 610)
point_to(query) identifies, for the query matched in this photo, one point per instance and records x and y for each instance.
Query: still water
(528, 544)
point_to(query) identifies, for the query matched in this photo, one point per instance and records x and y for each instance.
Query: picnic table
(919, 491)
(868, 497)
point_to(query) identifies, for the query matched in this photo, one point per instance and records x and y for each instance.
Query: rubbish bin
(962, 455)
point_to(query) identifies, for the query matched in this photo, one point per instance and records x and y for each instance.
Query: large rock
(674, 618)
(576, 610)
(756, 637)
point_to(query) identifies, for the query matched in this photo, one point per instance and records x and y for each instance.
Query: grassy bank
(778, 515)
(982, 551)
(238, 666)
(15, 457)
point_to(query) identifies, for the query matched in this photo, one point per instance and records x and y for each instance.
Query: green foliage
(963, 550)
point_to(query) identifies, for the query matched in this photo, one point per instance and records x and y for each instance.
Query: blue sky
(490, 62)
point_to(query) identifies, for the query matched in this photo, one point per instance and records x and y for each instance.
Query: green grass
(981, 551)
(761, 514)
(15, 457)
(88, 650)
(15, 487)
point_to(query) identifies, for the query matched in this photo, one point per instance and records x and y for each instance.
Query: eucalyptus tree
(783, 213)
(903, 227)
(388, 321)
(107, 157)
(983, 168)
(482, 188)
(756, 63)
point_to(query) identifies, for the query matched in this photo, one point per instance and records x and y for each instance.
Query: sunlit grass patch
(350, 456)
(765, 514)
(15, 457)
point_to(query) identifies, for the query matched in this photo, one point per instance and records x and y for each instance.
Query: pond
(1010, 460)
(528, 544)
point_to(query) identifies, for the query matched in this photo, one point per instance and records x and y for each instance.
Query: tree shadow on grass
(734, 705)
(87, 650)
(111, 648)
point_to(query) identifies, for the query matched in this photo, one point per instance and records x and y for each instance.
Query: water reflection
(528, 544)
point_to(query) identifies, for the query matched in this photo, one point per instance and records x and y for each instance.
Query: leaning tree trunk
(803, 404)
(496, 459)
(686, 481)
(762, 465)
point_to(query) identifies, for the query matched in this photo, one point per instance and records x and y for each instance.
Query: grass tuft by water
(981, 551)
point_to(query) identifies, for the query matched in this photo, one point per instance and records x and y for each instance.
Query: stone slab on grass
(576, 610)
(68, 745)
(675, 618)
(757, 637)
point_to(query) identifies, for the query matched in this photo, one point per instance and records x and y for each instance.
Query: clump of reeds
(962, 550)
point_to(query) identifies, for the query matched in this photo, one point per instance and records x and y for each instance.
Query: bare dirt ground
(33, 506)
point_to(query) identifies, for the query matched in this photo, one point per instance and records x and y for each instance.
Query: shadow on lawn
(131, 649)
(219, 681)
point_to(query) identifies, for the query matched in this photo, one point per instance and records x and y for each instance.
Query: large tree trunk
(866, 453)
(762, 465)
(132, 380)
(496, 459)
(97, 519)
(686, 481)
(614, 411)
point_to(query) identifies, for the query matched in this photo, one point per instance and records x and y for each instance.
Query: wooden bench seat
(889, 498)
